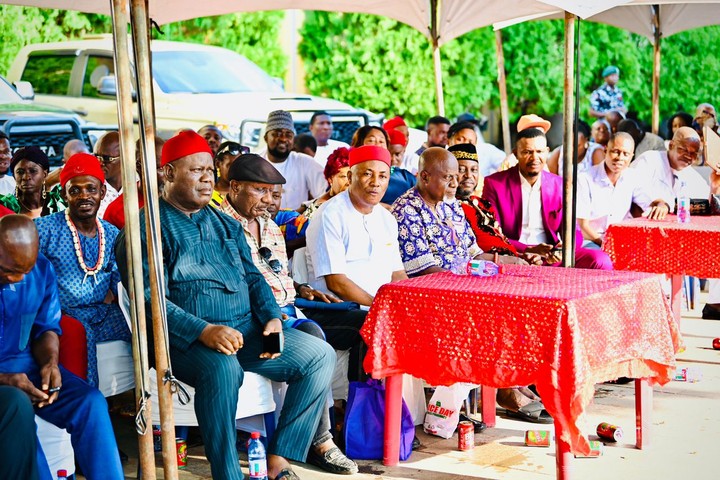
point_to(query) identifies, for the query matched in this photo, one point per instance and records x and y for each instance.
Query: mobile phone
(273, 343)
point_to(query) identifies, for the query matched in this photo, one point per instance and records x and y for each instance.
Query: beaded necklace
(78, 248)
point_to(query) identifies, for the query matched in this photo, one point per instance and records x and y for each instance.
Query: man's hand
(273, 326)
(308, 293)
(542, 249)
(21, 381)
(50, 381)
(657, 211)
(221, 338)
(511, 260)
(532, 258)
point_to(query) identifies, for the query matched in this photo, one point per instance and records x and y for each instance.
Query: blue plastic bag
(365, 422)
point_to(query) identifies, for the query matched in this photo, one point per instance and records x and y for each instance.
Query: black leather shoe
(333, 461)
(711, 312)
(479, 426)
(416, 443)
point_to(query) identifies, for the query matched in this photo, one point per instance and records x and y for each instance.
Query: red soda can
(608, 432)
(157, 438)
(537, 438)
(716, 343)
(181, 446)
(596, 450)
(466, 436)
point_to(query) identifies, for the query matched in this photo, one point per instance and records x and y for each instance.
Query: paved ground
(685, 435)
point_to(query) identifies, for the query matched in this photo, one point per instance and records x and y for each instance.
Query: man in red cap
(80, 247)
(219, 308)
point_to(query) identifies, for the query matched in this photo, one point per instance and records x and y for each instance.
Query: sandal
(288, 474)
(532, 412)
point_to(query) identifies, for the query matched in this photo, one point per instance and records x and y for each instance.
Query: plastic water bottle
(62, 475)
(479, 268)
(683, 205)
(256, 458)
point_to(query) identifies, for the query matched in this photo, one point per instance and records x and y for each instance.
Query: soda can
(596, 450)
(181, 446)
(680, 375)
(716, 344)
(157, 438)
(608, 432)
(537, 438)
(466, 436)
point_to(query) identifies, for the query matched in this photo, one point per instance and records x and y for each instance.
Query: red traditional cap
(397, 138)
(367, 153)
(81, 164)
(393, 123)
(183, 144)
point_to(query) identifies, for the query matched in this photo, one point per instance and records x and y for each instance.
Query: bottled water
(480, 268)
(256, 458)
(683, 205)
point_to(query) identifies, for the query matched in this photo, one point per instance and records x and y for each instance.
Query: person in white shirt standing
(321, 127)
(607, 191)
(305, 179)
(7, 181)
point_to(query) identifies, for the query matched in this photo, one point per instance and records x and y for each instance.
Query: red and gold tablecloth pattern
(561, 329)
(666, 246)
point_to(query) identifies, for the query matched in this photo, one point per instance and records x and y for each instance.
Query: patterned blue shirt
(606, 98)
(28, 309)
(432, 240)
(81, 298)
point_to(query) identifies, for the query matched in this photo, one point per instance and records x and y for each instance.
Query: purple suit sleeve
(491, 195)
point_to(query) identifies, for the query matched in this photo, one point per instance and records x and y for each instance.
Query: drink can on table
(537, 438)
(609, 432)
(181, 445)
(466, 436)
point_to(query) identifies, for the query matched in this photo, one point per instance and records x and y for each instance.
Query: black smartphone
(273, 343)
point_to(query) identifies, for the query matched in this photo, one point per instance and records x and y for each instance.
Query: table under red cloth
(666, 246)
(561, 329)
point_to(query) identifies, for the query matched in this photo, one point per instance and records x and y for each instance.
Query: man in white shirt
(607, 191)
(305, 178)
(321, 127)
(7, 181)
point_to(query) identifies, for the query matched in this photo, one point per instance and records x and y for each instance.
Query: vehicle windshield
(215, 71)
(8, 93)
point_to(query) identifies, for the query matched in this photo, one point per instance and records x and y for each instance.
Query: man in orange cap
(219, 308)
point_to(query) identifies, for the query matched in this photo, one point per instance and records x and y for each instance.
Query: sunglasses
(273, 263)
(105, 159)
(231, 148)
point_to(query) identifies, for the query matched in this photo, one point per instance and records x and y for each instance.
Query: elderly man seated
(528, 200)
(29, 359)
(80, 247)
(219, 308)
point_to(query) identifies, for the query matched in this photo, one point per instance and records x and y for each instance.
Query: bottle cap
(62, 473)
(255, 435)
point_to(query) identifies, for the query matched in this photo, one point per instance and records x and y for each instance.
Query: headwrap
(250, 167)
(31, 154)
(393, 123)
(533, 121)
(336, 160)
(464, 151)
(279, 120)
(367, 153)
(81, 164)
(397, 138)
(183, 144)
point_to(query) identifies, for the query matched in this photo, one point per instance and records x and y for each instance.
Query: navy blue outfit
(400, 182)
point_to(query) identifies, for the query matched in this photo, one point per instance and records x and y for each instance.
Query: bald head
(684, 148)
(109, 144)
(18, 247)
(685, 132)
(437, 175)
(434, 156)
(72, 147)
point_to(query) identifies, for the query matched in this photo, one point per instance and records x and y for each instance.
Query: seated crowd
(236, 226)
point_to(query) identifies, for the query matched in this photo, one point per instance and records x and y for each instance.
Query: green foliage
(254, 35)
(385, 66)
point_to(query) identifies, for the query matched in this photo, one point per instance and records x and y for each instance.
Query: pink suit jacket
(504, 192)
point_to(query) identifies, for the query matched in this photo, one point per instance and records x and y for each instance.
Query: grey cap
(280, 119)
(253, 168)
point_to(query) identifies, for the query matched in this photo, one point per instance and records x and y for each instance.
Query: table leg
(676, 283)
(643, 413)
(488, 405)
(393, 409)
(563, 456)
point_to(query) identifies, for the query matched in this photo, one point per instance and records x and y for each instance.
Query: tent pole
(656, 71)
(165, 382)
(502, 86)
(437, 66)
(132, 245)
(568, 227)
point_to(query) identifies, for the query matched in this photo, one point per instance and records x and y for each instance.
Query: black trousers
(18, 440)
(342, 331)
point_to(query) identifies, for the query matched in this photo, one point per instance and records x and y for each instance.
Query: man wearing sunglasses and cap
(107, 150)
(219, 308)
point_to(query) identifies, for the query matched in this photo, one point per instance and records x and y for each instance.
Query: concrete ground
(685, 435)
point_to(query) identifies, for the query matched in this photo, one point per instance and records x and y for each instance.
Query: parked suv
(194, 85)
(28, 123)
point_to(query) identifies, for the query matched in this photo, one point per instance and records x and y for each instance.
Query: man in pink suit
(528, 200)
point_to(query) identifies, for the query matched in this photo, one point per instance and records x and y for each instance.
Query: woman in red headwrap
(336, 174)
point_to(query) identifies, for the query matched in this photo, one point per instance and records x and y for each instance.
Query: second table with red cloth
(666, 246)
(558, 328)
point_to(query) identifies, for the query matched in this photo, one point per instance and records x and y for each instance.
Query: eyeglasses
(231, 148)
(273, 263)
(105, 159)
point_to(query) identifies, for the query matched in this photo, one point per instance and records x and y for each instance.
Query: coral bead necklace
(78, 248)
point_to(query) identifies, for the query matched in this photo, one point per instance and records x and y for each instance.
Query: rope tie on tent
(176, 387)
(141, 422)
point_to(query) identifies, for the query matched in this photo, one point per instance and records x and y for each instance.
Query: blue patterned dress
(83, 298)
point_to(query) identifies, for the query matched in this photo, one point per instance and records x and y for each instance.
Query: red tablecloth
(561, 329)
(666, 246)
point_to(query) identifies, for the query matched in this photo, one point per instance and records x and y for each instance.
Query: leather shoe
(711, 312)
(333, 461)
(477, 424)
